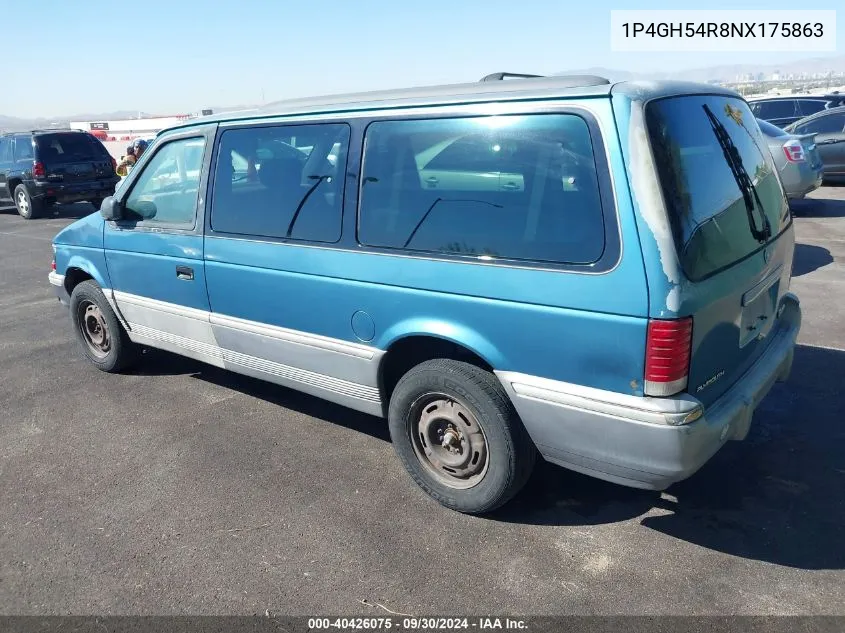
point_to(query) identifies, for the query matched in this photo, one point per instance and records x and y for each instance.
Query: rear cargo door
(72, 157)
(731, 227)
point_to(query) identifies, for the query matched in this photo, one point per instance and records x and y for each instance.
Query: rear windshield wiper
(743, 180)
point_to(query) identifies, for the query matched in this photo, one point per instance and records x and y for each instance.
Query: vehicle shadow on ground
(160, 363)
(809, 258)
(818, 208)
(775, 497)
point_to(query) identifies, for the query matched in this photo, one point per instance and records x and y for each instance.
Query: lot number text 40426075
(417, 624)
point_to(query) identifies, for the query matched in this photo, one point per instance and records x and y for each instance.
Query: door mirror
(111, 209)
(143, 210)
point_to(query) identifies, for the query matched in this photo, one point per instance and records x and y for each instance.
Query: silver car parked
(829, 129)
(797, 159)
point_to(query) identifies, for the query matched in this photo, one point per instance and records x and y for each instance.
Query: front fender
(90, 261)
(80, 245)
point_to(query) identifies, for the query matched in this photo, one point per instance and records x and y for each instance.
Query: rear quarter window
(6, 149)
(23, 148)
(504, 187)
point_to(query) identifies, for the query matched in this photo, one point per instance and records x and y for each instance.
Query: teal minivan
(594, 273)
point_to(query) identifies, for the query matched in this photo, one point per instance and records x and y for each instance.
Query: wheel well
(73, 277)
(13, 183)
(408, 352)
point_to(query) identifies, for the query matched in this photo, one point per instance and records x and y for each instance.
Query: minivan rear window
(719, 183)
(68, 148)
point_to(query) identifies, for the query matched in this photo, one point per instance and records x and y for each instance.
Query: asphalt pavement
(181, 488)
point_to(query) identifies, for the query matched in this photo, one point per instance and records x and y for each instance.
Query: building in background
(116, 135)
(130, 129)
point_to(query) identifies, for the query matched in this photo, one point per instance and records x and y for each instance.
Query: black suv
(40, 168)
(782, 111)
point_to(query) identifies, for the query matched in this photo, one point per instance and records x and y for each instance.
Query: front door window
(167, 190)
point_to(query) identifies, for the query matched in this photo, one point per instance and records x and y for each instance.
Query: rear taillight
(667, 356)
(794, 151)
(38, 170)
(53, 265)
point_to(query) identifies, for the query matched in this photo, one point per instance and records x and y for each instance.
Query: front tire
(459, 437)
(101, 336)
(24, 203)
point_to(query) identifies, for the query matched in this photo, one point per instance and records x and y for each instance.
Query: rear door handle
(185, 272)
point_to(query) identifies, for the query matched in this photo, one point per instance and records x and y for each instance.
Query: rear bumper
(74, 192)
(801, 179)
(58, 283)
(646, 442)
(800, 192)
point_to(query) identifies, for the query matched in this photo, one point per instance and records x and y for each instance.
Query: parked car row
(783, 111)
(822, 119)
(796, 158)
(829, 130)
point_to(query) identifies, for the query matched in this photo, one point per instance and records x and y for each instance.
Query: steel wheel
(448, 441)
(23, 203)
(95, 331)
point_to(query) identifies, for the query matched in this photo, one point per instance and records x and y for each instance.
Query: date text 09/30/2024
(416, 624)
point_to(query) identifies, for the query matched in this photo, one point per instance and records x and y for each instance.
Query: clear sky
(170, 56)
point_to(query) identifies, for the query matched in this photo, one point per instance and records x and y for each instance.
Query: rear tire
(24, 203)
(459, 437)
(101, 336)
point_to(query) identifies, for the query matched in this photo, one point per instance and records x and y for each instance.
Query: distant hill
(727, 72)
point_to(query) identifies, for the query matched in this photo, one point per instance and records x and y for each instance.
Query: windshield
(68, 148)
(719, 183)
